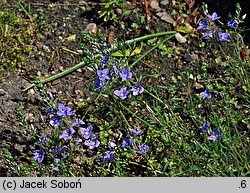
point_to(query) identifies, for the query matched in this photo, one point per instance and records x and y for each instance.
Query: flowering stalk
(81, 64)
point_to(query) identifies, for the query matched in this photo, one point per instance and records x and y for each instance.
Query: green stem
(151, 49)
(22, 7)
(134, 115)
(81, 64)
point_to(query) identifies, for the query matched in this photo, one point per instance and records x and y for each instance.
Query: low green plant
(108, 11)
(15, 36)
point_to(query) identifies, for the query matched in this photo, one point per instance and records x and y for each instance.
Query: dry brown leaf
(198, 85)
(154, 4)
(165, 17)
(190, 3)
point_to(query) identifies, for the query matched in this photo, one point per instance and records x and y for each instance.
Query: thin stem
(81, 64)
(151, 49)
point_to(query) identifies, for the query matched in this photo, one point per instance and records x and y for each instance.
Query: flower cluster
(126, 143)
(91, 139)
(214, 135)
(204, 25)
(131, 142)
(106, 74)
(62, 112)
(209, 29)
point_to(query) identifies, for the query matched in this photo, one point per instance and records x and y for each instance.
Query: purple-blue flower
(233, 23)
(138, 89)
(38, 155)
(93, 142)
(50, 111)
(111, 144)
(122, 93)
(204, 128)
(55, 120)
(103, 74)
(78, 140)
(59, 150)
(105, 60)
(43, 139)
(126, 142)
(78, 122)
(214, 16)
(99, 84)
(108, 156)
(86, 132)
(135, 132)
(212, 138)
(223, 36)
(125, 74)
(206, 94)
(67, 134)
(115, 71)
(203, 25)
(208, 35)
(216, 135)
(64, 111)
(57, 160)
(142, 148)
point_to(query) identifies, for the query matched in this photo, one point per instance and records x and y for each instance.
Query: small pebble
(2, 92)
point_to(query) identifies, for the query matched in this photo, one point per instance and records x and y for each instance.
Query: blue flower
(126, 142)
(38, 155)
(86, 132)
(212, 138)
(135, 132)
(103, 74)
(233, 23)
(50, 111)
(67, 134)
(138, 89)
(115, 71)
(109, 156)
(64, 111)
(204, 128)
(122, 93)
(206, 94)
(213, 17)
(203, 25)
(93, 142)
(111, 144)
(78, 140)
(223, 36)
(57, 160)
(55, 120)
(208, 35)
(105, 60)
(216, 135)
(142, 149)
(78, 122)
(59, 150)
(43, 139)
(125, 74)
(99, 84)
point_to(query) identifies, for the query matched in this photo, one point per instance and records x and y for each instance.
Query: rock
(2, 92)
